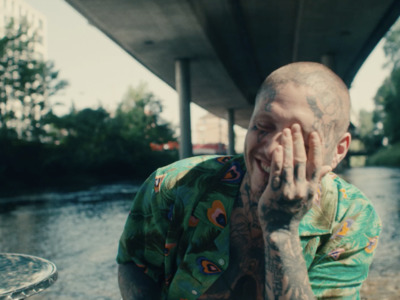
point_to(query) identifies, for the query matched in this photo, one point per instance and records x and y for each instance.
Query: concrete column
(231, 132)
(329, 61)
(182, 81)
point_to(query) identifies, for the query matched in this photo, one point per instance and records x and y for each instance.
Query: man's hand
(293, 181)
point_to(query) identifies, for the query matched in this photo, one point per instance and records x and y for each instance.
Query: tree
(387, 99)
(387, 106)
(140, 112)
(102, 144)
(26, 82)
(369, 133)
(391, 46)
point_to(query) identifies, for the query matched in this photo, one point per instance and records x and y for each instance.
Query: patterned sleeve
(144, 234)
(343, 259)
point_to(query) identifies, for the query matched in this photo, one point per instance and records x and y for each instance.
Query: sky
(100, 72)
(97, 69)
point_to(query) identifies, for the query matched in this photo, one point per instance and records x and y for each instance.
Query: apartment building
(21, 11)
(212, 132)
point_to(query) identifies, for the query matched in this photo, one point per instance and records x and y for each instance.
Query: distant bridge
(357, 153)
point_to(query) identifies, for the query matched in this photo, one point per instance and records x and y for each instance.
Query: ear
(341, 149)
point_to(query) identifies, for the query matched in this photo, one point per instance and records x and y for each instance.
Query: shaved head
(328, 96)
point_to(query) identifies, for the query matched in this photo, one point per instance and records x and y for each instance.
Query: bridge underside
(234, 44)
(230, 46)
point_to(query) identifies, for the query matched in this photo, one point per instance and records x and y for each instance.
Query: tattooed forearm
(135, 285)
(273, 272)
(285, 273)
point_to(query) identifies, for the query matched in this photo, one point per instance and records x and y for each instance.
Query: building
(213, 131)
(20, 11)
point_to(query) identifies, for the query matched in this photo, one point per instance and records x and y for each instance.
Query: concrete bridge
(217, 52)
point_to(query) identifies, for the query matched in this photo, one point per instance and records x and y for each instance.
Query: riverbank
(33, 167)
(388, 157)
(76, 194)
(23, 188)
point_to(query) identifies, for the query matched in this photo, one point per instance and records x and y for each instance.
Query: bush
(389, 156)
(33, 166)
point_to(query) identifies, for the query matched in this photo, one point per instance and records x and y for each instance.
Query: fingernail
(286, 131)
(315, 136)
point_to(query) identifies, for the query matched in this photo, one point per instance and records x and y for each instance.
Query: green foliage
(392, 45)
(92, 146)
(387, 106)
(369, 134)
(40, 149)
(366, 123)
(95, 143)
(139, 116)
(385, 117)
(26, 82)
(388, 156)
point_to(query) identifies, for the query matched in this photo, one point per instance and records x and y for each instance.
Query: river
(382, 186)
(79, 232)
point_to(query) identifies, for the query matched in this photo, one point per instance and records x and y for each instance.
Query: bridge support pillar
(182, 81)
(329, 61)
(231, 131)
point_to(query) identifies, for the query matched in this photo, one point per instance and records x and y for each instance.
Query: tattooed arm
(286, 273)
(292, 184)
(135, 285)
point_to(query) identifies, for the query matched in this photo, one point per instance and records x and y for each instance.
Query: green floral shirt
(178, 229)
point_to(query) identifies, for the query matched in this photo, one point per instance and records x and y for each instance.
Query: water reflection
(80, 238)
(79, 232)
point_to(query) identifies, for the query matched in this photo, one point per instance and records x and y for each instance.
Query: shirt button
(194, 292)
(221, 261)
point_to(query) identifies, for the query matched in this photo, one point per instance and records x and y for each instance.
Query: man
(276, 224)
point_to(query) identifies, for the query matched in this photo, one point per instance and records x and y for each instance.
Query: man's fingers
(299, 154)
(275, 179)
(287, 144)
(314, 161)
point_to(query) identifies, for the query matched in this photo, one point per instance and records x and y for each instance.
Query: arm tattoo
(285, 273)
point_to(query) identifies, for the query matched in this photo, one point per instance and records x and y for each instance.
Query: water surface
(79, 232)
